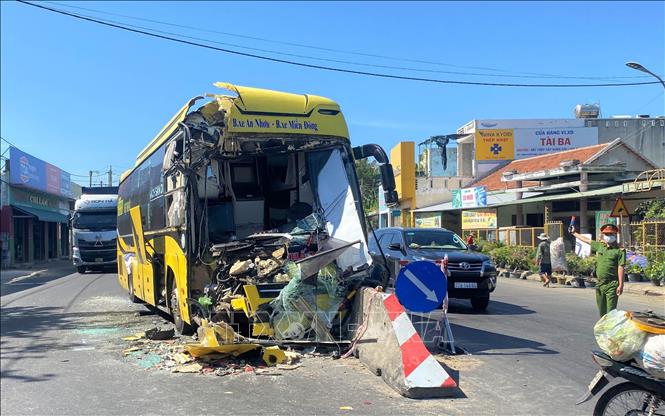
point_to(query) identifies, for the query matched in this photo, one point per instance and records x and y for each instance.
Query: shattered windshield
(95, 220)
(434, 240)
(338, 203)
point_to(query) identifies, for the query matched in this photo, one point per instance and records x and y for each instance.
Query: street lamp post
(637, 66)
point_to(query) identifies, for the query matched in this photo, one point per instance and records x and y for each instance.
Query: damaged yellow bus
(245, 209)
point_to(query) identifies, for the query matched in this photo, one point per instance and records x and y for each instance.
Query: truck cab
(94, 232)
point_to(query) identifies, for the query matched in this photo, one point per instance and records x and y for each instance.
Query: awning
(42, 214)
(495, 199)
(616, 189)
(506, 199)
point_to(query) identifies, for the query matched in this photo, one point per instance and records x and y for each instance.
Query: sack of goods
(617, 336)
(558, 255)
(652, 356)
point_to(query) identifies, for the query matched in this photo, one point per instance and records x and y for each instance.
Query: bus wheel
(181, 326)
(130, 290)
(80, 269)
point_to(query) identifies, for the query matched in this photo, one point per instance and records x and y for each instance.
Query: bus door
(142, 273)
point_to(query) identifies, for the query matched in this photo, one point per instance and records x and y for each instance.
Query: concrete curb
(642, 289)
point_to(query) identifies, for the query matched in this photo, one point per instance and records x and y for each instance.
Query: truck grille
(110, 244)
(91, 256)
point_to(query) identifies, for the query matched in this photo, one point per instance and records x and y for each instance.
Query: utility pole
(110, 175)
(90, 184)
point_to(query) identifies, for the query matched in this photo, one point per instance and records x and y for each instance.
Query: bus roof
(257, 111)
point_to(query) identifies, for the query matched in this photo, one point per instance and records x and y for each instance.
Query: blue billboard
(30, 172)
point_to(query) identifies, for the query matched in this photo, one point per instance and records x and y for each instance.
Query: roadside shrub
(574, 264)
(500, 256)
(486, 247)
(635, 263)
(587, 266)
(520, 258)
(655, 269)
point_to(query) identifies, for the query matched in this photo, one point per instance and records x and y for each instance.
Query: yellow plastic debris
(198, 350)
(273, 355)
(292, 357)
(214, 334)
(262, 329)
(345, 408)
(188, 368)
(134, 337)
(182, 358)
(279, 253)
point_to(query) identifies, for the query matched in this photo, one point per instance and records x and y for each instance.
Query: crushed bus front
(244, 214)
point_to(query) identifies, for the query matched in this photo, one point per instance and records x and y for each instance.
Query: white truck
(94, 231)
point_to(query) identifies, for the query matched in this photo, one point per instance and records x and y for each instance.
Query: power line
(328, 68)
(87, 176)
(650, 101)
(326, 59)
(300, 45)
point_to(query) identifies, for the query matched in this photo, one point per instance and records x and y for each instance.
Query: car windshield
(95, 220)
(432, 239)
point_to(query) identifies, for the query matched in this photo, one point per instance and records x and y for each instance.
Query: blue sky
(84, 96)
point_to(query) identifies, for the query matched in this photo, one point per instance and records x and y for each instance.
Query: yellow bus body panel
(141, 267)
(122, 269)
(176, 260)
(260, 111)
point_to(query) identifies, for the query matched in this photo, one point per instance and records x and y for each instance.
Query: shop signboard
(428, 220)
(497, 144)
(528, 123)
(31, 172)
(541, 141)
(474, 220)
(470, 197)
(24, 197)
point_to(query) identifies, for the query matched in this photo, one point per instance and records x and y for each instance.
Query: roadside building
(36, 201)
(541, 193)
(498, 173)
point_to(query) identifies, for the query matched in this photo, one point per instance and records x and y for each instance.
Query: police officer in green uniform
(610, 262)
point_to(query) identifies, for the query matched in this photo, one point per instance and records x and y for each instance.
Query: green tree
(650, 210)
(369, 179)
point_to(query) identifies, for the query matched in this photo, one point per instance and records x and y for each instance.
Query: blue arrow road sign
(421, 286)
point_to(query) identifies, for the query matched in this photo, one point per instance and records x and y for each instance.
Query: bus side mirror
(385, 168)
(388, 183)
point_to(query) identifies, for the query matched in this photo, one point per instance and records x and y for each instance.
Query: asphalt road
(61, 354)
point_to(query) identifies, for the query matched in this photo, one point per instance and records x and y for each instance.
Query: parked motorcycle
(640, 393)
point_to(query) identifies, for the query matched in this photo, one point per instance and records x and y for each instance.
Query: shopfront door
(21, 240)
(38, 234)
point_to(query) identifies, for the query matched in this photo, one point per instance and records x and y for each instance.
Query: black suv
(471, 275)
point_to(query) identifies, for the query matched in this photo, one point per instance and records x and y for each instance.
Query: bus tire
(181, 326)
(80, 269)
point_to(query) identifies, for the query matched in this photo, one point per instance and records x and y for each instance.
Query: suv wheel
(481, 303)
